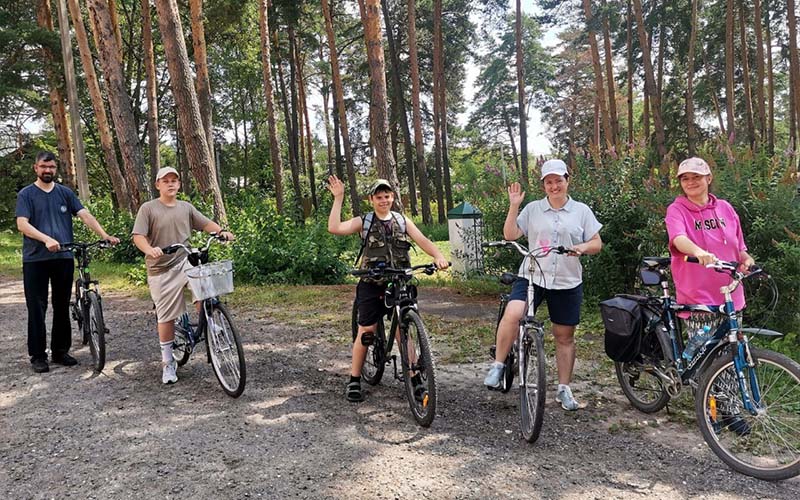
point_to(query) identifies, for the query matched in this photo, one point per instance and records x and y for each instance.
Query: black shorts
(564, 306)
(371, 307)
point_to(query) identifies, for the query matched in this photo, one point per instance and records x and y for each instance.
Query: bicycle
(418, 368)
(747, 399)
(224, 347)
(527, 352)
(87, 308)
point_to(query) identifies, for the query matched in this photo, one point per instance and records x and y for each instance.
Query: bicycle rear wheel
(765, 445)
(96, 329)
(375, 361)
(181, 346)
(419, 370)
(225, 350)
(637, 378)
(533, 383)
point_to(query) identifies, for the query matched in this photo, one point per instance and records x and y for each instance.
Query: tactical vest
(380, 245)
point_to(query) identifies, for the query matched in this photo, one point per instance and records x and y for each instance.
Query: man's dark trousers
(37, 276)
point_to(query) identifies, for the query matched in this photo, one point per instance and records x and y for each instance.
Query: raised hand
(336, 187)
(515, 194)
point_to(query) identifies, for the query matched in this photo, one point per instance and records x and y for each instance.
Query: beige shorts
(166, 290)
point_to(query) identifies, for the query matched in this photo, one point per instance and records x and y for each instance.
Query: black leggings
(37, 277)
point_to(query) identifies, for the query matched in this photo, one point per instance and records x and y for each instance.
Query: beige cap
(694, 165)
(379, 184)
(163, 171)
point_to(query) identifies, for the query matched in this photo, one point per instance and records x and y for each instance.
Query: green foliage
(435, 232)
(117, 223)
(271, 248)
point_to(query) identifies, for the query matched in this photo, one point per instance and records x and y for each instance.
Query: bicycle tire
(181, 347)
(96, 328)
(533, 384)
(644, 390)
(766, 445)
(421, 394)
(76, 308)
(508, 374)
(225, 350)
(375, 360)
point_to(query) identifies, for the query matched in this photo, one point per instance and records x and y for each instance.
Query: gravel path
(121, 434)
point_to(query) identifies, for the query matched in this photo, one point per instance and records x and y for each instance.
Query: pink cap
(694, 165)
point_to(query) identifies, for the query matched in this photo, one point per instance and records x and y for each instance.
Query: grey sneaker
(495, 376)
(170, 376)
(567, 400)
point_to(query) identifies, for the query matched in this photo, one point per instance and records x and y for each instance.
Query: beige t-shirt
(164, 226)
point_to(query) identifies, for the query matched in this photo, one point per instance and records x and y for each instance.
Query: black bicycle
(747, 400)
(418, 368)
(87, 306)
(527, 353)
(224, 347)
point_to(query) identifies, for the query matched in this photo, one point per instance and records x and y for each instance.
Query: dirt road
(121, 434)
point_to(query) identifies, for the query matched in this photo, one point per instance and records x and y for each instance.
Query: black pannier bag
(624, 319)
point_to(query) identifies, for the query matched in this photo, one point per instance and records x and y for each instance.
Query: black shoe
(40, 365)
(735, 423)
(354, 394)
(65, 360)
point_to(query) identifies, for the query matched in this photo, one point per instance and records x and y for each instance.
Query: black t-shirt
(51, 213)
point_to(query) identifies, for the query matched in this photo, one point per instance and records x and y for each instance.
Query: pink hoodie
(715, 228)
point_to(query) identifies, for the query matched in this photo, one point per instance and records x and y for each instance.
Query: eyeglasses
(48, 167)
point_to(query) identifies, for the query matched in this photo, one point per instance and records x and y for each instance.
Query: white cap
(554, 166)
(163, 171)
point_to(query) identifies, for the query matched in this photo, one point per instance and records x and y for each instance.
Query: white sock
(166, 351)
(562, 387)
(497, 363)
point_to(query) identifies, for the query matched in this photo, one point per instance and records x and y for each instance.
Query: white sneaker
(565, 397)
(170, 376)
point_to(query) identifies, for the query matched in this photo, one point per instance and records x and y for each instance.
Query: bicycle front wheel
(225, 350)
(97, 330)
(533, 383)
(375, 360)
(419, 370)
(764, 445)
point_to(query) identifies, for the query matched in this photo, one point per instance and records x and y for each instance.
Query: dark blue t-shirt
(51, 213)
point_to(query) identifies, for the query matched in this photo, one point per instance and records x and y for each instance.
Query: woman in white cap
(554, 220)
(701, 225)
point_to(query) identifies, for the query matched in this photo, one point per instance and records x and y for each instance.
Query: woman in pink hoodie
(701, 225)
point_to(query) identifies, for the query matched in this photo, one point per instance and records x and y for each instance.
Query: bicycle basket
(211, 280)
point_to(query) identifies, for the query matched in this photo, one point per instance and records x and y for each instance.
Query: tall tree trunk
(325, 92)
(309, 151)
(266, 69)
(770, 85)
(119, 101)
(44, 19)
(112, 10)
(187, 106)
(379, 123)
(399, 101)
(295, 130)
(337, 147)
(437, 110)
(202, 82)
(419, 146)
(662, 42)
(748, 96)
(650, 84)
(151, 90)
(629, 64)
(599, 91)
(610, 82)
(510, 131)
(691, 133)
(338, 93)
(293, 166)
(794, 80)
(761, 113)
(118, 181)
(730, 98)
(714, 99)
(521, 104)
(81, 175)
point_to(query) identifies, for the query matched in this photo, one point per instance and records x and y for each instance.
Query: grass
(10, 253)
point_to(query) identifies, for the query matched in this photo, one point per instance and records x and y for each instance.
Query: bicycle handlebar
(177, 246)
(731, 267)
(383, 271)
(72, 245)
(542, 251)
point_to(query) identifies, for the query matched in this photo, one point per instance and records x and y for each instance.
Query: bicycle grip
(169, 250)
(689, 258)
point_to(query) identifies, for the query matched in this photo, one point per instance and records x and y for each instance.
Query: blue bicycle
(747, 399)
